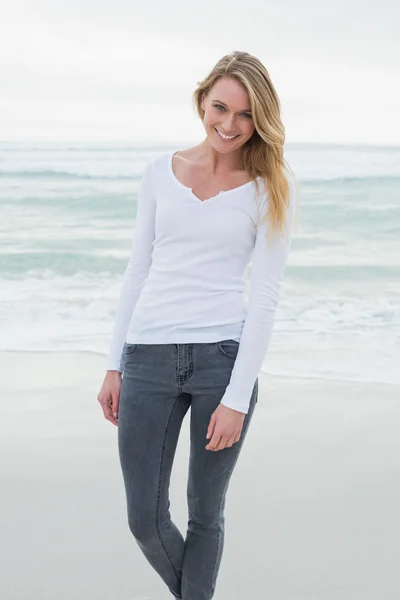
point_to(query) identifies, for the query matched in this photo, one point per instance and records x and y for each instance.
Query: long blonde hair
(263, 152)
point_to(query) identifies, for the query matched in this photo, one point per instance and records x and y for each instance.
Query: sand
(312, 510)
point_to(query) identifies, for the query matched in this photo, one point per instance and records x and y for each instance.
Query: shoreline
(272, 376)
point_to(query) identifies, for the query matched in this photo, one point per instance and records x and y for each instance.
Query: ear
(203, 99)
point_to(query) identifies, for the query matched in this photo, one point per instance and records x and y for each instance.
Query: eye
(219, 106)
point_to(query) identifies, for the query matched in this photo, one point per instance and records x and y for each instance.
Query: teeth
(226, 137)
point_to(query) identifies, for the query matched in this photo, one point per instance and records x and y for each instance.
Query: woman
(183, 335)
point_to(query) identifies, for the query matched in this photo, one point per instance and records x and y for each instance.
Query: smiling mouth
(228, 139)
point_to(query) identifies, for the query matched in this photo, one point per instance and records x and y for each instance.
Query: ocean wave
(343, 272)
(54, 174)
(20, 264)
(390, 179)
(317, 181)
(20, 148)
(42, 264)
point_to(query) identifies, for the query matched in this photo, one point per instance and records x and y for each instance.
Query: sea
(67, 219)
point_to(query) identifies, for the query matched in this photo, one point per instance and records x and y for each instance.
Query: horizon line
(155, 144)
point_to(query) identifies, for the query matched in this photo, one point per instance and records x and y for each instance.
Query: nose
(229, 124)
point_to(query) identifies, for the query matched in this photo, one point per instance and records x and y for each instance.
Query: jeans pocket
(130, 348)
(228, 348)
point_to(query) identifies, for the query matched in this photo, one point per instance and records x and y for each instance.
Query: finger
(222, 443)
(237, 437)
(230, 441)
(213, 443)
(114, 406)
(110, 417)
(107, 413)
(211, 427)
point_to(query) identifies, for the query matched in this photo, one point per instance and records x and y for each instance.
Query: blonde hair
(263, 152)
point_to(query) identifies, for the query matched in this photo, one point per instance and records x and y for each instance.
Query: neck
(220, 162)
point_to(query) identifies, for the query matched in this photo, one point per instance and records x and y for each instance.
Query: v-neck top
(185, 281)
(190, 190)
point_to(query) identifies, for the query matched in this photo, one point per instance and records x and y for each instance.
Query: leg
(209, 476)
(149, 422)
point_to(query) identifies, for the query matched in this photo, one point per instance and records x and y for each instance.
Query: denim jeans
(160, 382)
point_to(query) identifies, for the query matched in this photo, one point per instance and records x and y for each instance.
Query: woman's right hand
(109, 395)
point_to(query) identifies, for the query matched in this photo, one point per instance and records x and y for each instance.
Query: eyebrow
(244, 110)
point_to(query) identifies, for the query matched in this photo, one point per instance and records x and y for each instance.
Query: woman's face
(227, 112)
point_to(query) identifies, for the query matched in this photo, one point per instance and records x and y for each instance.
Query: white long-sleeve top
(185, 279)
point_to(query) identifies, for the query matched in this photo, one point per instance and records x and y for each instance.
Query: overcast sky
(126, 69)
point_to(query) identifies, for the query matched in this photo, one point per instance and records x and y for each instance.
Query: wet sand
(311, 512)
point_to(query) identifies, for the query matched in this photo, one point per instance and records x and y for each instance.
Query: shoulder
(156, 165)
(157, 160)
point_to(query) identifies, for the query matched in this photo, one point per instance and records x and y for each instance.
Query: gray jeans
(160, 382)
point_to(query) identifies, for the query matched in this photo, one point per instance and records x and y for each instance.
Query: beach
(311, 512)
(93, 95)
(312, 506)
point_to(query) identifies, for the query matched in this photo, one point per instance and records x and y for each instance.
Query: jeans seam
(213, 579)
(183, 378)
(163, 544)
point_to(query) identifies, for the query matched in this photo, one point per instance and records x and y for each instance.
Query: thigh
(150, 416)
(210, 472)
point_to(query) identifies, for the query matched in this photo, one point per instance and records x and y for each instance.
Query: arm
(137, 269)
(267, 269)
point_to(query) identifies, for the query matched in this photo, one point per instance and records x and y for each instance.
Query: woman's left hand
(225, 428)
